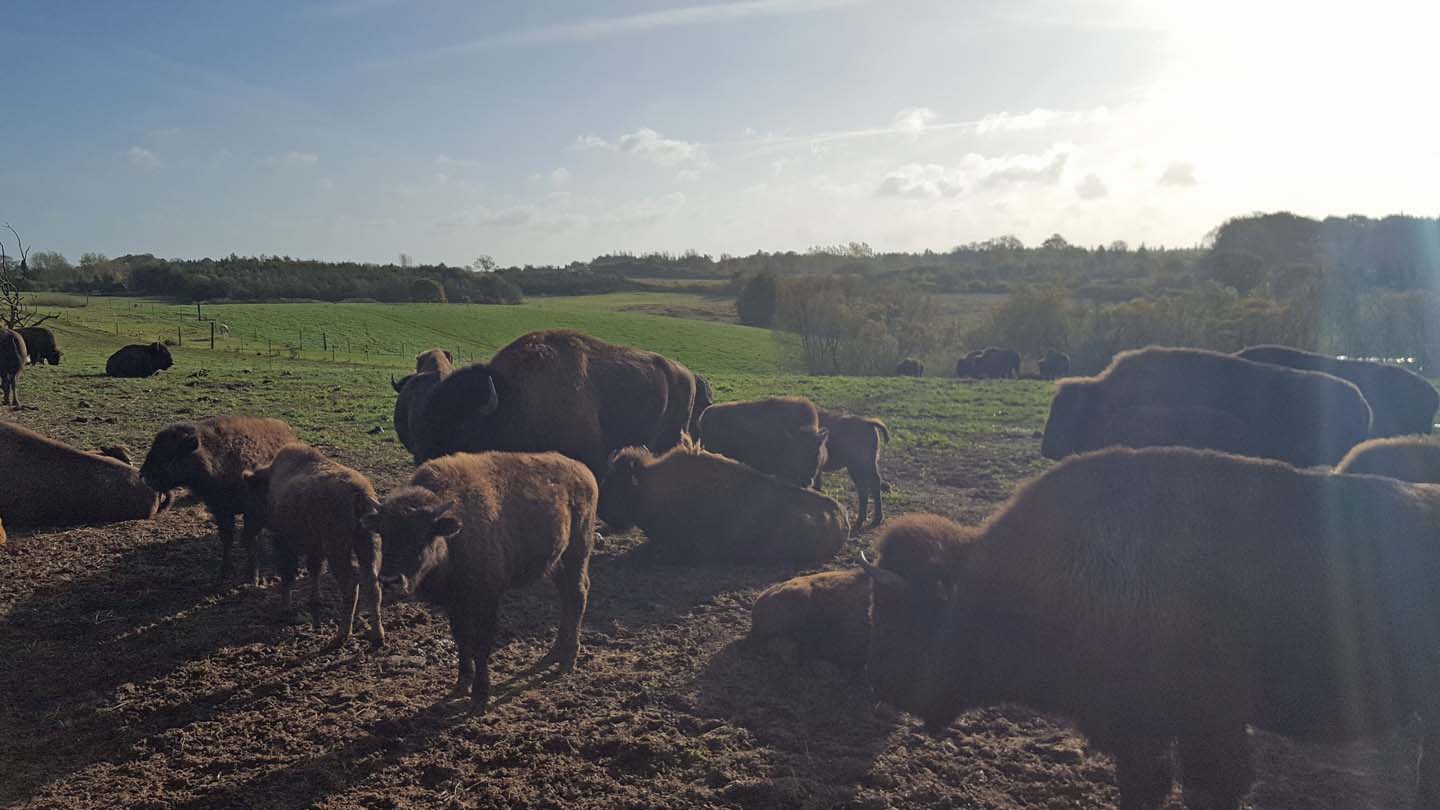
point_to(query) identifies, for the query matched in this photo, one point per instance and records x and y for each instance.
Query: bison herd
(1194, 565)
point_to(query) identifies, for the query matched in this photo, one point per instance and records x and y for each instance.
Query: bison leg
(368, 552)
(249, 536)
(1143, 773)
(482, 640)
(1215, 768)
(344, 572)
(460, 631)
(225, 527)
(287, 559)
(573, 582)
(874, 485)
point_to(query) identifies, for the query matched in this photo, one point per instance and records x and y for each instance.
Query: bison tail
(881, 429)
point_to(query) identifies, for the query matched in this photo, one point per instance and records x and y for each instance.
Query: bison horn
(878, 574)
(397, 386)
(492, 399)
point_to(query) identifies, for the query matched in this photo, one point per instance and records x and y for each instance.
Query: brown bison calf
(825, 616)
(1302, 417)
(316, 506)
(779, 436)
(210, 458)
(853, 444)
(1402, 402)
(413, 394)
(46, 483)
(13, 358)
(1169, 593)
(472, 526)
(696, 506)
(1406, 458)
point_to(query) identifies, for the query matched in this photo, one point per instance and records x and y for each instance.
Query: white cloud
(687, 175)
(932, 181)
(559, 176)
(1091, 188)
(650, 145)
(914, 120)
(1043, 169)
(445, 161)
(1178, 173)
(1038, 118)
(142, 158)
(921, 181)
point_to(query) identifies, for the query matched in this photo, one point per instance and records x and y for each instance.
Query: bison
(996, 363)
(41, 344)
(824, 616)
(13, 358)
(558, 390)
(1402, 402)
(46, 483)
(696, 506)
(910, 367)
(704, 398)
(413, 393)
(1406, 458)
(138, 360)
(210, 458)
(853, 444)
(317, 506)
(969, 365)
(473, 525)
(1303, 417)
(1053, 364)
(779, 436)
(1169, 593)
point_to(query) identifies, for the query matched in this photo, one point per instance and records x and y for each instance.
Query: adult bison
(1173, 594)
(968, 367)
(138, 360)
(1402, 402)
(13, 358)
(910, 367)
(1053, 364)
(559, 390)
(46, 483)
(1161, 396)
(779, 436)
(704, 398)
(996, 363)
(41, 344)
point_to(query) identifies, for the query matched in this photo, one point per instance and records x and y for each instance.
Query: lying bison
(1303, 417)
(138, 360)
(210, 458)
(1053, 364)
(824, 616)
(46, 483)
(853, 444)
(317, 507)
(696, 506)
(1401, 402)
(910, 367)
(1406, 458)
(779, 436)
(471, 526)
(41, 344)
(13, 357)
(1168, 593)
(558, 390)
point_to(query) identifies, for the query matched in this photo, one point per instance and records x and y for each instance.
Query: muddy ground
(127, 681)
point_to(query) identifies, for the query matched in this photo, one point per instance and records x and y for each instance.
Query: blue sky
(548, 131)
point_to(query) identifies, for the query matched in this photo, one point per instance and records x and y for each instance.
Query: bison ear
(445, 526)
(449, 356)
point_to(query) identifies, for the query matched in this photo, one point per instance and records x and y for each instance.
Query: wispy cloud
(975, 173)
(917, 121)
(921, 181)
(1038, 118)
(1091, 188)
(650, 145)
(291, 159)
(1178, 173)
(142, 158)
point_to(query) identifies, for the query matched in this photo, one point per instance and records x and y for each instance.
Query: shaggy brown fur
(1170, 593)
(46, 483)
(1401, 402)
(696, 506)
(779, 436)
(558, 390)
(315, 506)
(1406, 458)
(1302, 417)
(438, 361)
(824, 616)
(210, 457)
(474, 525)
(13, 358)
(910, 367)
(853, 444)
(40, 343)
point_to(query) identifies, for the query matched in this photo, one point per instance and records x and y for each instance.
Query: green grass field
(273, 363)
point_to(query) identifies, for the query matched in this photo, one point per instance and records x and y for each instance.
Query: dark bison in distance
(998, 364)
(853, 444)
(910, 367)
(1402, 402)
(473, 525)
(779, 436)
(968, 367)
(1053, 364)
(13, 358)
(47, 483)
(138, 360)
(1161, 396)
(557, 390)
(41, 344)
(1173, 594)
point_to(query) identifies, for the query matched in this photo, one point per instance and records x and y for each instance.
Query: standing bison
(46, 483)
(996, 363)
(968, 367)
(139, 360)
(853, 444)
(13, 358)
(473, 525)
(1172, 594)
(910, 367)
(1160, 396)
(413, 393)
(779, 436)
(210, 458)
(1053, 364)
(557, 390)
(1402, 402)
(41, 344)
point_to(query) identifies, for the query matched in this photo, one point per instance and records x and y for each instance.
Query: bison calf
(825, 616)
(1405, 458)
(779, 436)
(138, 360)
(697, 506)
(853, 444)
(40, 342)
(316, 506)
(471, 526)
(210, 458)
(1169, 593)
(13, 358)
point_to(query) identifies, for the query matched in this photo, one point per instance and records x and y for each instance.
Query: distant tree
(1237, 269)
(15, 309)
(484, 264)
(427, 291)
(1119, 246)
(756, 301)
(1055, 242)
(406, 260)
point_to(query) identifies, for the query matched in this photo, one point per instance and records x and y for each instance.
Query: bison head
(257, 494)
(415, 528)
(803, 454)
(160, 356)
(1074, 408)
(176, 459)
(620, 493)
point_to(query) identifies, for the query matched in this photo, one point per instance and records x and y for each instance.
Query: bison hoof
(479, 705)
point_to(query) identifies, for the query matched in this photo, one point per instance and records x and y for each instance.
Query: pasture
(125, 680)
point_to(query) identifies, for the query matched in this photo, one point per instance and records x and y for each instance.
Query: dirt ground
(125, 680)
